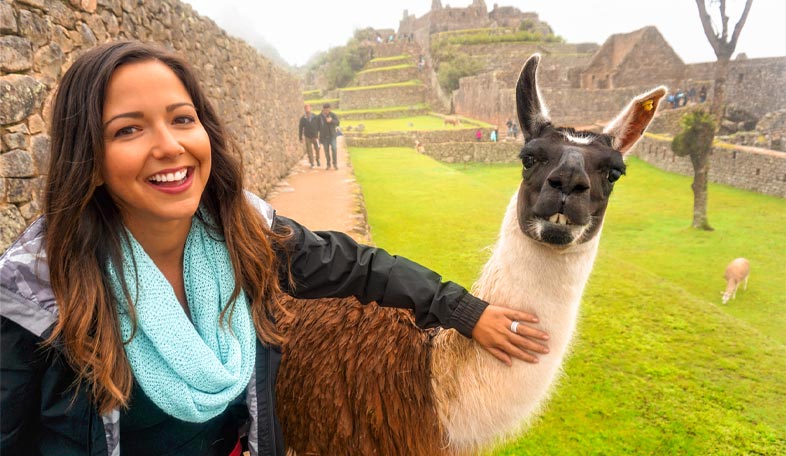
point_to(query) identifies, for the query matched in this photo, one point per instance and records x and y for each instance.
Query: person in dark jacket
(327, 122)
(308, 130)
(136, 312)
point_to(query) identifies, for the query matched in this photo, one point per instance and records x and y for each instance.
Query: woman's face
(157, 153)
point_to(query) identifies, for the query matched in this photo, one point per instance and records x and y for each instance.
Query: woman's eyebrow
(132, 115)
(139, 115)
(174, 106)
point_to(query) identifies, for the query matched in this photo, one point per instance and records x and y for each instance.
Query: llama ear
(630, 124)
(533, 115)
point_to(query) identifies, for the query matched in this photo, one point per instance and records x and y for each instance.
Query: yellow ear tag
(647, 105)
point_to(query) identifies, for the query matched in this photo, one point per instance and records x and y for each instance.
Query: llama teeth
(560, 219)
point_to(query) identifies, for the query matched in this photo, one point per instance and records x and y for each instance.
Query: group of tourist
(317, 131)
(681, 97)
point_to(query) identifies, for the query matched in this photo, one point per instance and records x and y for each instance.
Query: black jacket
(37, 413)
(327, 130)
(308, 127)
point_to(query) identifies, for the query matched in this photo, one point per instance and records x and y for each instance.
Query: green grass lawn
(416, 123)
(659, 366)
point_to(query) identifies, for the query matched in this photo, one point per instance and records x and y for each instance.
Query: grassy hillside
(659, 366)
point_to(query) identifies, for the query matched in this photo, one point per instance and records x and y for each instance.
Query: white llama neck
(524, 274)
(479, 398)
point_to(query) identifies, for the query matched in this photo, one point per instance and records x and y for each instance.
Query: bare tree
(724, 46)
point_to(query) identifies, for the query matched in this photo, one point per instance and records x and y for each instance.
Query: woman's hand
(493, 332)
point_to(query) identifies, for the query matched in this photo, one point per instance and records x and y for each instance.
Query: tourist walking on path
(326, 124)
(307, 133)
(136, 314)
(478, 135)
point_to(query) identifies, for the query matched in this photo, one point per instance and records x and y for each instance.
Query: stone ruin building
(445, 18)
(586, 81)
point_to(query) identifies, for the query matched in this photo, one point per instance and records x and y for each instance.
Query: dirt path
(323, 199)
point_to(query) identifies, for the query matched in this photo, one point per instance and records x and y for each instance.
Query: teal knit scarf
(190, 370)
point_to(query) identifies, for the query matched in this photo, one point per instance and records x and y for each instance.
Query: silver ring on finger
(514, 326)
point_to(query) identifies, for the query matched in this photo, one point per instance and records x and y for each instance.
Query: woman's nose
(166, 144)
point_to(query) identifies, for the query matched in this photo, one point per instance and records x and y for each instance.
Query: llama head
(569, 174)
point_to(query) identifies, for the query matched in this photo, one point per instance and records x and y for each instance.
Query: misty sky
(299, 28)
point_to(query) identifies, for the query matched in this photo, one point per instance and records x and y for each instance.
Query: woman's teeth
(169, 177)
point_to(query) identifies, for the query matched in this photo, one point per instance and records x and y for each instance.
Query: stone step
(396, 48)
(390, 61)
(425, 138)
(388, 74)
(384, 113)
(316, 103)
(400, 94)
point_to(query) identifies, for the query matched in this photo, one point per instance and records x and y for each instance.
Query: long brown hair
(84, 229)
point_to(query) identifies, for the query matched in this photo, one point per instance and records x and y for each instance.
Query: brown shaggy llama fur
(349, 366)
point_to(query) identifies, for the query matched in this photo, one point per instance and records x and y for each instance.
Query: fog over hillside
(299, 29)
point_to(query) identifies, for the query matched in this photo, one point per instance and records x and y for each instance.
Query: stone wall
(399, 47)
(492, 99)
(510, 57)
(382, 62)
(758, 170)
(381, 97)
(383, 76)
(39, 39)
(479, 152)
(755, 85)
(407, 139)
(386, 114)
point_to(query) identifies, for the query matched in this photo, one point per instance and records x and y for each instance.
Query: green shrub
(341, 63)
(698, 131)
(459, 65)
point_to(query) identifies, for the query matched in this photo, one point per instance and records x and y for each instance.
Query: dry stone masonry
(39, 39)
(749, 168)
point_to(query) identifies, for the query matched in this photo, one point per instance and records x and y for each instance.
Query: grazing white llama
(736, 272)
(364, 380)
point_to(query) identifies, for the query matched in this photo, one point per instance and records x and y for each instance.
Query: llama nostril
(555, 183)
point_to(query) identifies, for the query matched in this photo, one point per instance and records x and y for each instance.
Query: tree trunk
(719, 89)
(701, 171)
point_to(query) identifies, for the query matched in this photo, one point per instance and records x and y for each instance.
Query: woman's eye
(528, 161)
(183, 120)
(125, 131)
(614, 175)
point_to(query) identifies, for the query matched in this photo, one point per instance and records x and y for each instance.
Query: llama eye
(528, 161)
(614, 175)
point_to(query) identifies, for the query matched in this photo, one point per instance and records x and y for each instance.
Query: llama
(451, 120)
(736, 272)
(365, 380)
